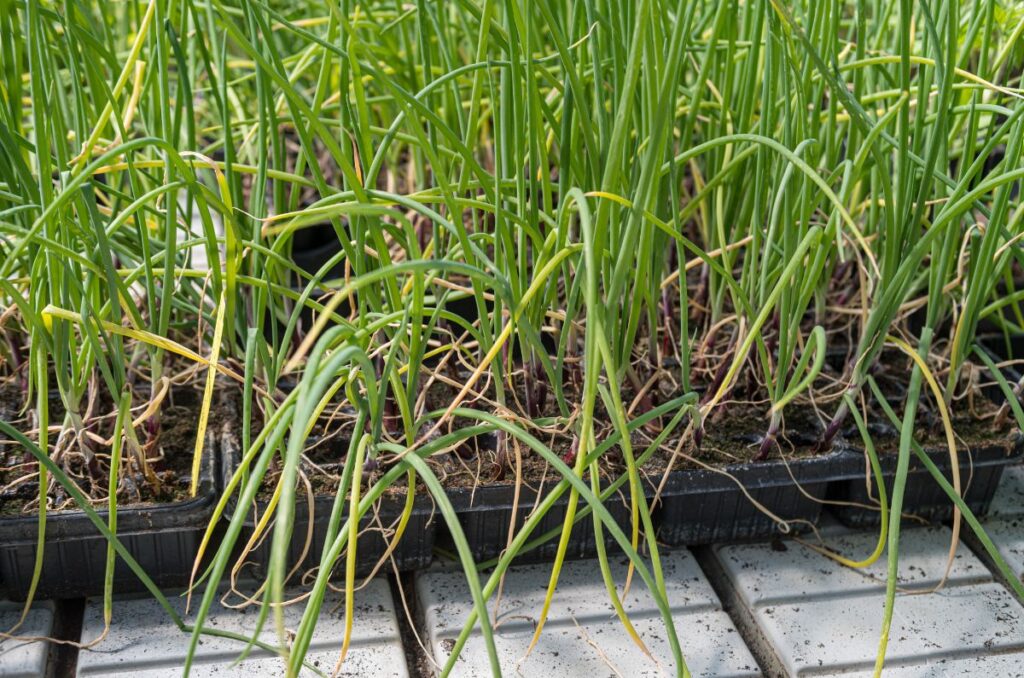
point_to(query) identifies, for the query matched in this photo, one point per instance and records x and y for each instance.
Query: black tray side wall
(485, 516)
(695, 507)
(980, 474)
(704, 507)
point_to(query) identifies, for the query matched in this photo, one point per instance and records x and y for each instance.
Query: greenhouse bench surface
(775, 608)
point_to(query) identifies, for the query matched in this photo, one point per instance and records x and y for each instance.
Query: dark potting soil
(326, 448)
(976, 428)
(169, 456)
(322, 465)
(975, 418)
(732, 434)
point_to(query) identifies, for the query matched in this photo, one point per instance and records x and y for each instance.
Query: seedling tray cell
(164, 539)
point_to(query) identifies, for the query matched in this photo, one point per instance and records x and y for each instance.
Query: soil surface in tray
(321, 466)
(980, 424)
(732, 435)
(977, 421)
(168, 452)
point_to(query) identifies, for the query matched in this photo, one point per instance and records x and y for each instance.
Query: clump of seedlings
(564, 247)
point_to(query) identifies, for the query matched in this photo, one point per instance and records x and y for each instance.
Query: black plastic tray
(414, 551)
(700, 506)
(695, 507)
(164, 539)
(485, 516)
(980, 472)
